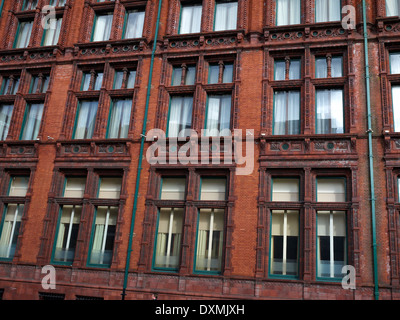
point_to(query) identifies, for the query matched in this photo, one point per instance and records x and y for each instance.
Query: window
(133, 24)
(285, 189)
(23, 34)
(67, 233)
(327, 10)
(105, 221)
(29, 5)
(220, 73)
(32, 121)
(395, 63)
(102, 27)
(74, 187)
(173, 189)
(39, 83)
(331, 243)
(180, 116)
(184, 75)
(288, 69)
(396, 108)
(51, 35)
(210, 227)
(392, 8)
(331, 190)
(286, 113)
(168, 240)
(85, 120)
(284, 242)
(328, 67)
(190, 19)
(12, 216)
(57, 3)
(225, 16)
(6, 111)
(92, 80)
(124, 79)
(218, 121)
(288, 12)
(329, 111)
(120, 115)
(169, 225)
(9, 85)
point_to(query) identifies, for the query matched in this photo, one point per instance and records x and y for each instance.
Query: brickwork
(252, 48)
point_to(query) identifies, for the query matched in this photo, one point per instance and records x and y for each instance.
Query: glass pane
(5, 120)
(173, 189)
(102, 27)
(67, 233)
(110, 188)
(10, 230)
(396, 107)
(190, 19)
(288, 12)
(218, 115)
(24, 34)
(329, 111)
(86, 120)
(331, 190)
(180, 116)
(336, 67)
(225, 16)
(395, 63)
(177, 76)
(213, 189)
(120, 119)
(331, 234)
(286, 113)
(321, 68)
(213, 73)
(168, 242)
(103, 235)
(32, 121)
(19, 186)
(280, 70)
(74, 187)
(134, 24)
(228, 73)
(294, 70)
(285, 189)
(284, 242)
(392, 8)
(210, 241)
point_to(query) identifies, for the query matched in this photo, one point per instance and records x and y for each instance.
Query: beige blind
(332, 219)
(285, 190)
(19, 186)
(173, 189)
(67, 213)
(213, 189)
(75, 187)
(168, 214)
(104, 213)
(278, 222)
(217, 220)
(110, 188)
(331, 190)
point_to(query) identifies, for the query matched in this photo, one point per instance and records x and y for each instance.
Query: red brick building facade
(76, 189)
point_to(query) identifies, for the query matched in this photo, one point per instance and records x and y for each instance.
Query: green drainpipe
(371, 154)
(139, 169)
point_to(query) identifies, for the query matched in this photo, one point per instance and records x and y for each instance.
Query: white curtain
(331, 233)
(327, 10)
(19, 186)
(331, 190)
(134, 25)
(228, 73)
(218, 115)
(177, 76)
(396, 107)
(213, 73)
(103, 240)
(119, 119)
(173, 189)
(392, 8)
(330, 111)
(5, 119)
(287, 113)
(213, 189)
(294, 69)
(52, 34)
(86, 120)
(321, 68)
(285, 190)
(169, 233)
(102, 29)
(24, 34)
(180, 117)
(9, 232)
(190, 19)
(32, 121)
(74, 187)
(336, 67)
(225, 16)
(110, 188)
(131, 79)
(210, 240)
(395, 63)
(288, 12)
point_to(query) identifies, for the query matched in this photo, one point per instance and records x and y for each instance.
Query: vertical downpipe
(370, 153)
(140, 160)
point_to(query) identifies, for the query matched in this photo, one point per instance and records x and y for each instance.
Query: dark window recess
(51, 296)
